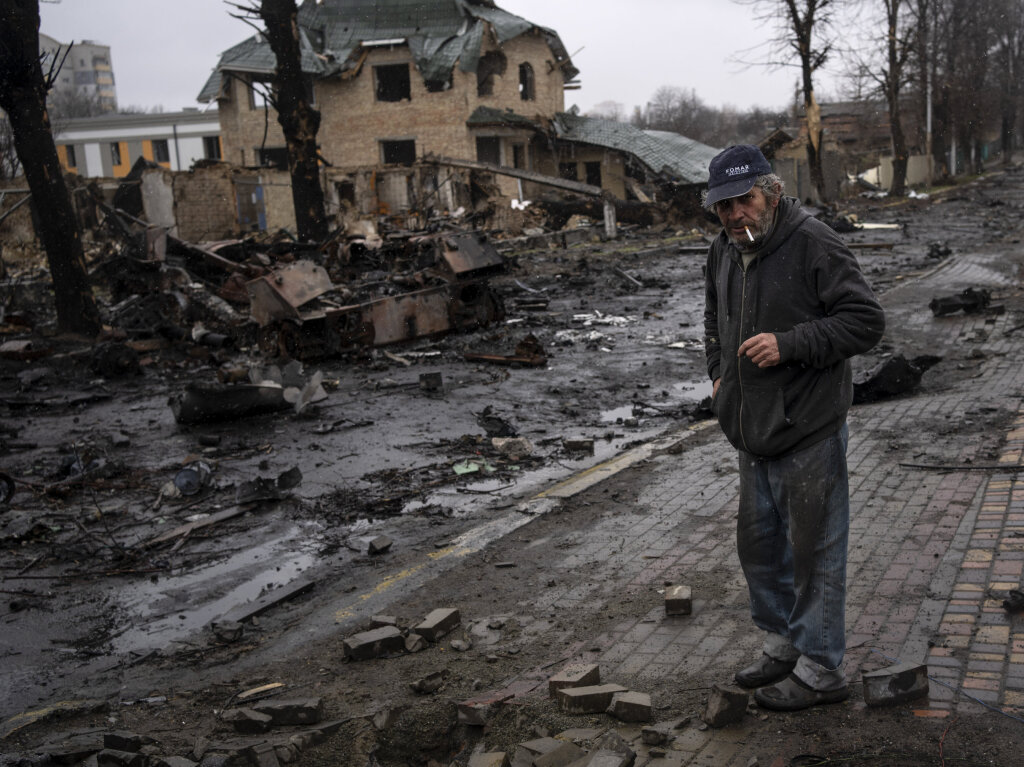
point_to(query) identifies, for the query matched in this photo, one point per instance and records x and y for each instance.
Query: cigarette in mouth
(749, 235)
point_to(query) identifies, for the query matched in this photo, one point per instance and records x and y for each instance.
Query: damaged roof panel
(681, 159)
(440, 33)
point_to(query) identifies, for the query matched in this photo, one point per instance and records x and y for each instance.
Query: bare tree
(23, 96)
(295, 113)
(1010, 57)
(889, 77)
(804, 36)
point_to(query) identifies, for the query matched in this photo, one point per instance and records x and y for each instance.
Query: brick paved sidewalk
(932, 553)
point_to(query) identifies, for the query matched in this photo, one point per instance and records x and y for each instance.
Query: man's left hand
(762, 349)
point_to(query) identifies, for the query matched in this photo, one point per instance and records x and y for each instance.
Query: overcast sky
(163, 51)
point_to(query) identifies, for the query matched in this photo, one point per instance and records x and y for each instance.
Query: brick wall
(353, 121)
(204, 203)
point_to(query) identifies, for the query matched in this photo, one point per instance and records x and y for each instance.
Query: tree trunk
(23, 97)
(298, 119)
(892, 96)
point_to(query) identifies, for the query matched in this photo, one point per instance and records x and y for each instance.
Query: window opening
(161, 152)
(392, 82)
(568, 170)
(398, 152)
(488, 149)
(273, 157)
(527, 84)
(593, 171)
(519, 156)
(491, 63)
(211, 147)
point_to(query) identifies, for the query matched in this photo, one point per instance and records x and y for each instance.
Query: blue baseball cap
(733, 172)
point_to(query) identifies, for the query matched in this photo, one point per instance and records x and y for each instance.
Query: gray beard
(760, 230)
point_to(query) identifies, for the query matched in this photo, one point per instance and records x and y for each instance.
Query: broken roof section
(440, 34)
(679, 159)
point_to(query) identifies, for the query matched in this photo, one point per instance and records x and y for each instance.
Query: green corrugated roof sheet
(681, 159)
(439, 33)
(483, 116)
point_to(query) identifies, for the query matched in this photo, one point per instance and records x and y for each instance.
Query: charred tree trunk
(297, 117)
(811, 59)
(897, 56)
(23, 97)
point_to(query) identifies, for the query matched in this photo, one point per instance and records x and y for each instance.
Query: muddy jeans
(792, 533)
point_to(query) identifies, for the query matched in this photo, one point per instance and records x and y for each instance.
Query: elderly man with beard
(786, 308)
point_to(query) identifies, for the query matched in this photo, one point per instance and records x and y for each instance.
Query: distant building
(109, 145)
(86, 69)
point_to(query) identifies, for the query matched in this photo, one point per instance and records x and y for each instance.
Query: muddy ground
(95, 609)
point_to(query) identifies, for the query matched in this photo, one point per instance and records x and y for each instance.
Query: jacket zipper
(739, 366)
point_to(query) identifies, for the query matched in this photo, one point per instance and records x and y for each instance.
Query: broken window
(398, 152)
(527, 86)
(69, 150)
(115, 153)
(346, 192)
(491, 63)
(211, 147)
(488, 149)
(257, 91)
(593, 171)
(568, 170)
(392, 82)
(438, 86)
(161, 152)
(273, 157)
(519, 156)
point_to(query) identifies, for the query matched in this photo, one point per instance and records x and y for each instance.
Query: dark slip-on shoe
(764, 671)
(791, 694)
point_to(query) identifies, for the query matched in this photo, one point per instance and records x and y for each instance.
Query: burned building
(398, 82)
(394, 81)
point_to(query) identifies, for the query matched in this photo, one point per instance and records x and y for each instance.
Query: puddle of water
(618, 414)
(180, 605)
(695, 391)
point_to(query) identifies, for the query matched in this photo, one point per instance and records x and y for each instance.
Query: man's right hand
(714, 392)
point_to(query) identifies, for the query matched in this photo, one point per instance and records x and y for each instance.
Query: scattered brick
(678, 600)
(631, 706)
(171, 761)
(726, 705)
(594, 699)
(379, 621)
(560, 756)
(438, 623)
(575, 675)
(379, 545)
(263, 755)
(415, 643)
(895, 684)
(289, 712)
(579, 445)
(527, 752)
(386, 640)
(247, 721)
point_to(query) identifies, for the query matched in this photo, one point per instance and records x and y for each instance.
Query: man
(786, 307)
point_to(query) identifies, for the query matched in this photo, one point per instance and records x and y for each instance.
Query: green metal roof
(439, 33)
(682, 160)
(483, 116)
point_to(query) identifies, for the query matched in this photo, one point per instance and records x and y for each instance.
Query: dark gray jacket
(804, 286)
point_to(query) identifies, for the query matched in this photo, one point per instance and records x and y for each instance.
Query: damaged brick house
(396, 80)
(399, 82)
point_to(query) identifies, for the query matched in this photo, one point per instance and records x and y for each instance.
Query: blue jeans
(792, 533)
